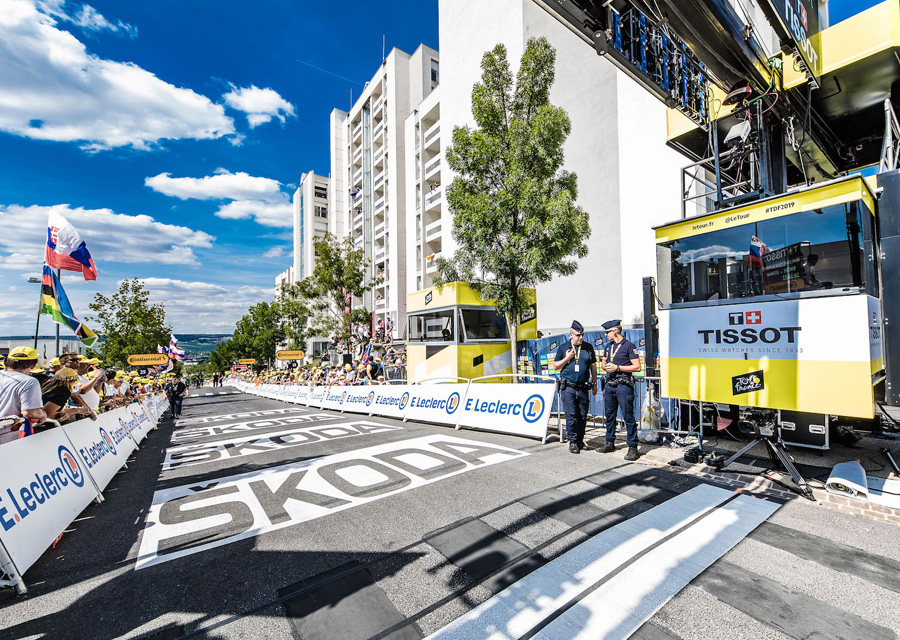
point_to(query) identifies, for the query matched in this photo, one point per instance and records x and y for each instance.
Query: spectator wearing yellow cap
(56, 392)
(87, 388)
(20, 394)
(55, 366)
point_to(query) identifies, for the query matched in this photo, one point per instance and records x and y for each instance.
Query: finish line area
(254, 518)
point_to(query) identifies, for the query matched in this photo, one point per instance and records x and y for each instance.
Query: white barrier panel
(103, 445)
(520, 409)
(125, 419)
(316, 395)
(334, 398)
(359, 400)
(143, 422)
(390, 400)
(437, 403)
(44, 487)
(302, 394)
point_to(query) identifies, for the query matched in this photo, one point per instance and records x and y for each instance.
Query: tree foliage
(514, 214)
(341, 271)
(128, 323)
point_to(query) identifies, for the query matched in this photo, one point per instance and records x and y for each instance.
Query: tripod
(778, 454)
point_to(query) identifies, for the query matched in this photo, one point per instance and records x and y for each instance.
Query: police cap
(576, 326)
(609, 325)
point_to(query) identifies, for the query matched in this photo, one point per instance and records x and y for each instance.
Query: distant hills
(195, 345)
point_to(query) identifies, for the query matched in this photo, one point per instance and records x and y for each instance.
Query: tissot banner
(812, 354)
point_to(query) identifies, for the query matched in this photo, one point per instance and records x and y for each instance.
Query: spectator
(175, 392)
(56, 393)
(55, 365)
(20, 394)
(86, 387)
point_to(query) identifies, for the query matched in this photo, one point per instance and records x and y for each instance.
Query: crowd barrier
(50, 477)
(518, 409)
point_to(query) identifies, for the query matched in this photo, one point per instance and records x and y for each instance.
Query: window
(321, 212)
(821, 250)
(434, 72)
(321, 192)
(483, 323)
(436, 326)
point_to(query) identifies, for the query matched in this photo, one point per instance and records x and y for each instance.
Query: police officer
(620, 361)
(576, 363)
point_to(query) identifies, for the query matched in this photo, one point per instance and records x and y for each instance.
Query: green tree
(341, 271)
(515, 220)
(129, 324)
(294, 313)
(258, 333)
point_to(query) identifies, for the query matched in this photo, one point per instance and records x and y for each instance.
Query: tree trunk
(514, 347)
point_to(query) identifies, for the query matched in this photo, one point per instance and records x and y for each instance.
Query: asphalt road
(300, 523)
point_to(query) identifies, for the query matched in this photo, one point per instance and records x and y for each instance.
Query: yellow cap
(23, 353)
(94, 360)
(83, 358)
(68, 375)
(37, 370)
(55, 362)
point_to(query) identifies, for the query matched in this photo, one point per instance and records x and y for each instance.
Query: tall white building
(312, 219)
(628, 180)
(368, 155)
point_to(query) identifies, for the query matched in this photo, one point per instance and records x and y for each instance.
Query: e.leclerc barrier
(50, 477)
(518, 409)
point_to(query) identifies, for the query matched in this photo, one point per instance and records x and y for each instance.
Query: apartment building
(312, 219)
(369, 158)
(427, 221)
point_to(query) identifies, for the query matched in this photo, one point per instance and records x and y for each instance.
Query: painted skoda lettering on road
(192, 433)
(47, 484)
(193, 518)
(237, 416)
(193, 454)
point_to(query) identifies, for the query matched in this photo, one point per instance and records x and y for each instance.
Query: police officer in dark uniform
(620, 361)
(576, 363)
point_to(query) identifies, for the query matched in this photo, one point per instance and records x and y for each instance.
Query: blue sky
(171, 134)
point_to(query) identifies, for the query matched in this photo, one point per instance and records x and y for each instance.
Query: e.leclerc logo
(370, 398)
(108, 440)
(453, 402)
(404, 400)
(531, 410)
(29, 497)
(70, 465)
(343, 397)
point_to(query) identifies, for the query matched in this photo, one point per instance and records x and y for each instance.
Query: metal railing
(890, 149)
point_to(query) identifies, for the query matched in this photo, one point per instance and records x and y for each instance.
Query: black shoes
(581, 446)
(632, 454)
(574, 448)
(610, 447)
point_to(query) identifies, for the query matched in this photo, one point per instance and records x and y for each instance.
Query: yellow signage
(290, 355)
(247, 361)
(839, 192)
(139, 359)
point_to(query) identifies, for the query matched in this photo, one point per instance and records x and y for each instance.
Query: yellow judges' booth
(452, 333)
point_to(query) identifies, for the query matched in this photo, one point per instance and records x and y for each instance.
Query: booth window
(484, 324)
(807, 253)
(436, 326)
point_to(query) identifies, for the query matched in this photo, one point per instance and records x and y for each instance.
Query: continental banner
(815, 354)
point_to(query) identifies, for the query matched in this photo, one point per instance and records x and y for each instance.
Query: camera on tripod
(760, 422)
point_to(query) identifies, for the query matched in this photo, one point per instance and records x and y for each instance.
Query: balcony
(357, 221)
(357, 131)
(433, 231)
(379, 154)
(380, 303)
(379, 180)
(379, 252)
(357, 156)
(378, 103)
(379, 229)
(357, 198)
(432, 166)
(431, 263)
(432, 133)
(433, 198)
(378, 129)
(379, 204)
(357, 178)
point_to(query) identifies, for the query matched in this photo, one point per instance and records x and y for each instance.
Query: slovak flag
(758, 249)
(174, 352)
(65, 248)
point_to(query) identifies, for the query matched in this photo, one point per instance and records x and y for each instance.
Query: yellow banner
(839, 192)
(139, 359)
(290, 355)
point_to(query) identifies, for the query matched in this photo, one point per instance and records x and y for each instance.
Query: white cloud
(52, 88)
(85, 16)
(197, 307)
(222, 186)
(260, 105)
(268, 214)
(251, 197)
(275, 252)
(110, 237)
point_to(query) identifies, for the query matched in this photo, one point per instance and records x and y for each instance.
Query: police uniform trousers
(576, 403)
(615, 398)
(175, 405)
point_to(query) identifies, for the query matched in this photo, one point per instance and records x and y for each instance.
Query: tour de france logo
(370, 398)
(533, 409)
(108, 440)
(453, 402)
(70, 465)
(404, 400)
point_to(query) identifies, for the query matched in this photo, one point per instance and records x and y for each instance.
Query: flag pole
(58, 277)
(37, 324)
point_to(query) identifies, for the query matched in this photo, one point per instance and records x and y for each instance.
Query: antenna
(382, 47)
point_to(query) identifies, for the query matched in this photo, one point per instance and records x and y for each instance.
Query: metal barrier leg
(8, 569)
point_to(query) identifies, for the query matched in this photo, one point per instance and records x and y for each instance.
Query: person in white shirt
(87, 388)
(20, 394)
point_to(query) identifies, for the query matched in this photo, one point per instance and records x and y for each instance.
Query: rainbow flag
(55, 304)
